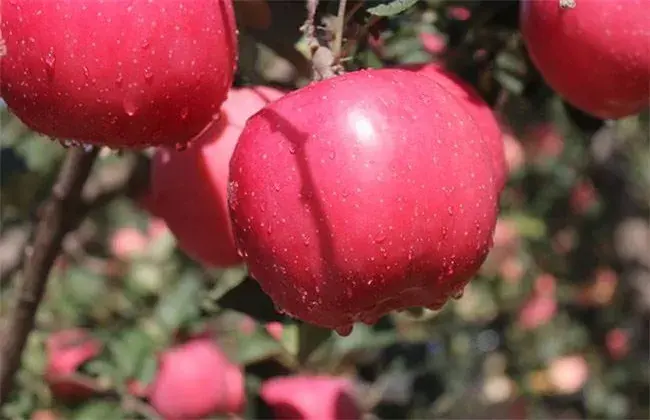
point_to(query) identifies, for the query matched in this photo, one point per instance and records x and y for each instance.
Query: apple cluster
(368, 192)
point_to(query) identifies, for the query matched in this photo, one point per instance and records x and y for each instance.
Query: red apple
(310, 398)
(120, 74)
(617, 342)
(362, 194)
(433, 43)
(189, 188)
(195, 380)
(128, 242)
(66, 351)
(478, 109)
(595, 55)
(542, 141)
(44, 414)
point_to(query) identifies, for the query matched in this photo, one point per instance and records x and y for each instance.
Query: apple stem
(325, 55)
(338, 31)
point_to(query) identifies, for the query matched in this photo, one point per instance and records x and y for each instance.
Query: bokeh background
(554, 326)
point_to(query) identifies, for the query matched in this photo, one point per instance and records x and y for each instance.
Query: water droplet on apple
(129, 107)
(293, 148)
(148, 75)
(369, 319)
(119, 79)
(380, 238)
(185, 112)
(344, 330)
(180, 146)
(279, 310)
(50, 62)
(457, 294)
(332, 155)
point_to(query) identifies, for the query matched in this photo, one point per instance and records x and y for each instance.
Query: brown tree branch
(128, 176)
(59, 216)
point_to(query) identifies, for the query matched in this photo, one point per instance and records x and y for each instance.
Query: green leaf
(181, 304)
(530, 227)
(84, 287)
(256, 347)
(130, 351)
(391, 7)
(310, 338)
(147, 371)
(99, 410)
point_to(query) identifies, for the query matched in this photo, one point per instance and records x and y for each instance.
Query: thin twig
(129, 176)
(58, 217)
(338, 35)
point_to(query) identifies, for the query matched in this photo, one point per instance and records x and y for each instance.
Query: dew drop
(332, 155)
(148, 75)
(415, 312)
(435, 306)
(180, 146)
(380, 238)
(344, 330)
(50, 62)
(119, 80)
(369, 319)
(185, 112)
(129, 107)
(292, 149)
(70, 143)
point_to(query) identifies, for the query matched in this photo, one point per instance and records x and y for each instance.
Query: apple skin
(121, 74)
(189, 188)
(480, 111)
(66, 351)
(195, 380)
(308, 397)
(362, 194)
(595, 55)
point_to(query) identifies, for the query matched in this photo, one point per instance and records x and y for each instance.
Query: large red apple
(116, 73)
(480, 111)
(189, 188)
(196, 380)
(595, 54)
(311, 398)
(362, 194)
